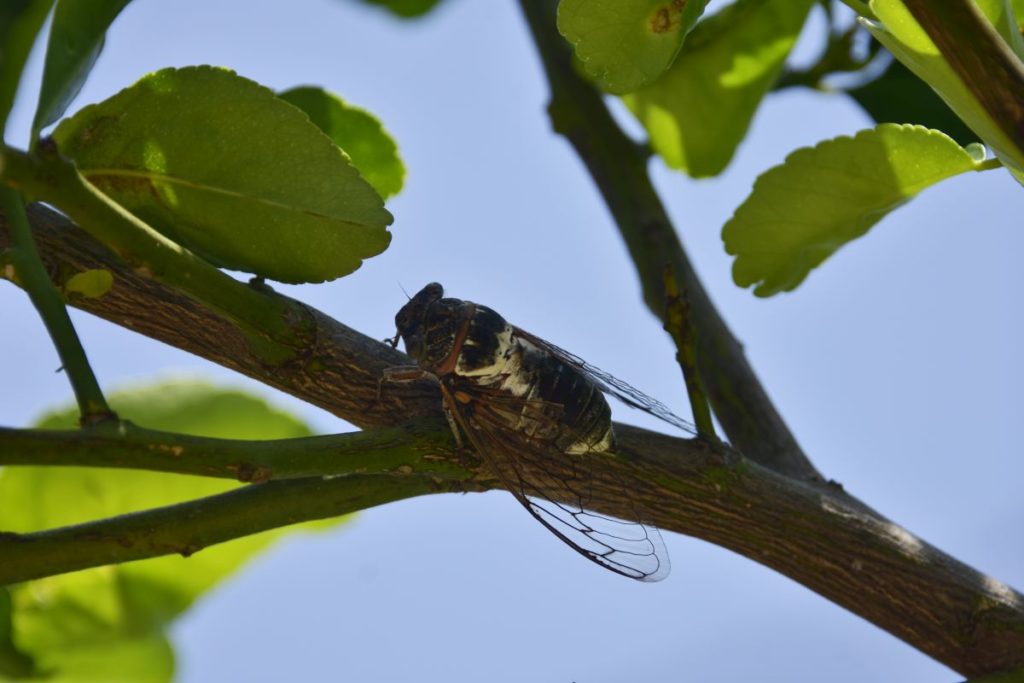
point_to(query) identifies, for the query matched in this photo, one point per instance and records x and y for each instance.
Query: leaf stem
(24, 258)
(990, 164)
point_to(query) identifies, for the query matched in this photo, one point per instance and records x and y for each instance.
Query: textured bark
(814, 533)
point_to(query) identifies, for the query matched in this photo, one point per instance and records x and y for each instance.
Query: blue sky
(896, 364)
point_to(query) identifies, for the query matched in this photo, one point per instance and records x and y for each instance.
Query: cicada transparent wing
(557, 487)
(609, 384)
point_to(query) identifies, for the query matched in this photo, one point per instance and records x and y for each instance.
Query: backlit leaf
(698, 112)
(822, 197)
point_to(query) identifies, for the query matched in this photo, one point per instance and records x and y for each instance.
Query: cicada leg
(450, 408)
(412, 373)
(401, 373)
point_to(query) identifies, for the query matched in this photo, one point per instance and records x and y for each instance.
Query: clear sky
(897, 365)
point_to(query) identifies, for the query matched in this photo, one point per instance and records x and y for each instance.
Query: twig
(23, 258)
(677, 324)
(423, 447)
(187, 528)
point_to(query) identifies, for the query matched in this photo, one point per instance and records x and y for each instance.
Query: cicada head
(428, 325)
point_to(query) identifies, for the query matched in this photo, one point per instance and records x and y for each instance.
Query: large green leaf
(898, 96)
(698, 112)
(897, 29)
(624, 44)
(822, 197)
(357, 132)
(221, 165)
(20, 21)
(76, 39)
(13, 662)
(109, 623)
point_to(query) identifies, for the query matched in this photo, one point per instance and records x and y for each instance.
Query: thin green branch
(578, 112)
(268, 320)
(23, 257)
(187, 528)
(424, 447)
(679, 327)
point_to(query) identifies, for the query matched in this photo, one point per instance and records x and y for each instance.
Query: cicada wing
(608, 383)
(556, 488)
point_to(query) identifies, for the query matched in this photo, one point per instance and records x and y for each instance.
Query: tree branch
(815, 534)
(338, 370)
(267, 321)
(817, 537)
(619, 167)
(187, 528)
(423, 447)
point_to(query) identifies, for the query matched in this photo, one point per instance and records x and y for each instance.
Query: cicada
(537, 416)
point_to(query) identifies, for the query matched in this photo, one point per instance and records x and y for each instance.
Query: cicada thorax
(475, 351)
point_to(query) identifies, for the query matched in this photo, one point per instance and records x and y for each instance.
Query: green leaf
(357, 132)
(624, 44)
(91, 284)
(13, 662)
(76, 40)
(109, 623)
(903, 36)
(222, 166)
(898, 96)
(822, 197)
(698, 112)
(407, 9)
(20, 21)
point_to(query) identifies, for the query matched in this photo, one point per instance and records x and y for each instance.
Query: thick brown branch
(619, 167)
(814, 535)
